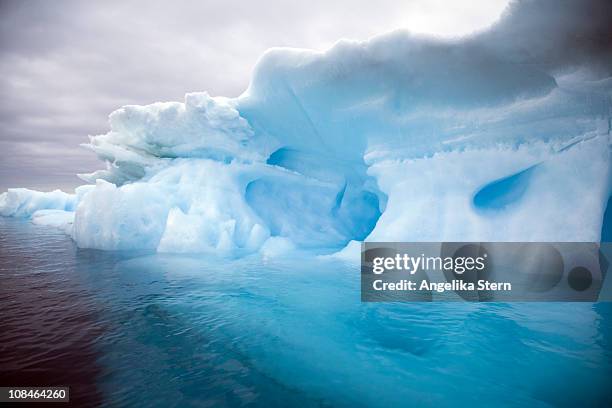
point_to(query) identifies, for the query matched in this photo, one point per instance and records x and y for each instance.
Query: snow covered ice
(500, 136)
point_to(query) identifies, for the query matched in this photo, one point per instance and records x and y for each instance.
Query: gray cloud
(556, 35)
(65, 65)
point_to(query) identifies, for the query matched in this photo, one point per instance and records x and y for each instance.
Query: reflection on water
(143, 329)
(49, 319)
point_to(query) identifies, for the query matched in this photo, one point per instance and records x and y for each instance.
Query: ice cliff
(503, 135)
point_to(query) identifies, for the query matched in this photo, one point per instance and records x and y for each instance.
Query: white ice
(398, 138)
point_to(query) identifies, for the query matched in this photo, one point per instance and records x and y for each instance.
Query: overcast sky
(65, 65)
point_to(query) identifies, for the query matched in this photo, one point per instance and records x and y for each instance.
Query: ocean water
(143, 329)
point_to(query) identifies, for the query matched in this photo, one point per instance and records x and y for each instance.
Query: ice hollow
(401, 137)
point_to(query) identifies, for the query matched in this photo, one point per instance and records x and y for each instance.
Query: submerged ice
(398, 138)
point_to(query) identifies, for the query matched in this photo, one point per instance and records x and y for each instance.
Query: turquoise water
(141, 329)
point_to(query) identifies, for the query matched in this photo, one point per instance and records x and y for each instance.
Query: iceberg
(503, 135)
